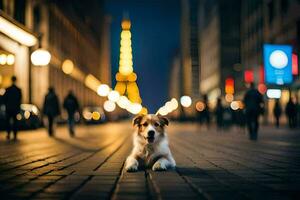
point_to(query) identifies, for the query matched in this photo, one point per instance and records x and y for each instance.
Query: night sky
(155, 40)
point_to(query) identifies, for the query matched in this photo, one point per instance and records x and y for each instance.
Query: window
(284, 6)
(36, 18)
(19, 11)
(1, 4)
(271, 11)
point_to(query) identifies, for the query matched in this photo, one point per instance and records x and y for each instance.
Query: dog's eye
(145, 124)
(156, 124)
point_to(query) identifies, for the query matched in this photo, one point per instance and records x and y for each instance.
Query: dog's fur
(150, 144)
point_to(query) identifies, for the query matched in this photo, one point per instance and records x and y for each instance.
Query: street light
(68, 66)
(40, 57)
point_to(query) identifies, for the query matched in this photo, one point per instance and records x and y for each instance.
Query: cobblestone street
(210, 165)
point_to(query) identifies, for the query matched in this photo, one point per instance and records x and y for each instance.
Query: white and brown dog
(150, 144)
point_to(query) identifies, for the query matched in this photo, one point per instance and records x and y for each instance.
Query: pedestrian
(253, 101)
(51, 109)
(72, 106)
(298, 112)
(12, 100)
(277, 112)
(206, 113)
(291, 112)
(219, 113)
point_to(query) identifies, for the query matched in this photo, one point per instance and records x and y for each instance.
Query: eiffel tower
(126, 78)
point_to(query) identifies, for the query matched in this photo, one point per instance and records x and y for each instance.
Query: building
(190, 48)
(189, 71)
(282, 26)
(252, 38)
(175, 83)
(68, 32)
(210, 49)
(219, 47)
(272, 22)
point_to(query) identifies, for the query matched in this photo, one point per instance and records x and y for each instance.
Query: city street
(210, 165)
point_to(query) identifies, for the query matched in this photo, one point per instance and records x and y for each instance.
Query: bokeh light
(40, 57)
(200, 106)
(113, 96)
(96, 115)
(134, 108)
(186, 101)
(123, 102)
(67, 66)
(103, 90)
(109, 106)
(229, 97)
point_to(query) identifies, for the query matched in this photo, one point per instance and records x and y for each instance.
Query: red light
(294, 64)
(248, 76)
(229, 86)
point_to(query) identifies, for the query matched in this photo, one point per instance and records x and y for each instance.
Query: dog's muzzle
(150, 138)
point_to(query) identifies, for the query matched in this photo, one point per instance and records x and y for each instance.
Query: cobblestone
(210, 165)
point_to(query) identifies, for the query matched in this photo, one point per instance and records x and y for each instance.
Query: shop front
(15, 43)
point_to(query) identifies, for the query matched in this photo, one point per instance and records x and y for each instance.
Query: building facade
(269, 22)
(219, 46)
(190, 60)
(66, 36)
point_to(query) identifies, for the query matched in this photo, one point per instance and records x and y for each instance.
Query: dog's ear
(137, 119)
(163, 120)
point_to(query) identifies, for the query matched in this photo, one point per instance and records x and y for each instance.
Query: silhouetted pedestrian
(291, 113)
(205, 113)
(277, 112)
(12, 101)
(298, 112)
(253, 101)
(51, 108)
(219, 113)
(72, 106)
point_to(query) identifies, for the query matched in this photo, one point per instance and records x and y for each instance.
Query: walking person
(12, 100)
(219, 113)
(205, 112)
(72, 106)
(297, 113)
(291, 113)
(253, 101)
(51, 109)
(277, 111)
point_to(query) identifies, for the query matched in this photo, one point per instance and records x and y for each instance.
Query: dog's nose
(151, 133)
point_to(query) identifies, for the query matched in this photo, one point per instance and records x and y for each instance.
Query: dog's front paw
(132, 168)
(131, 165)
(159, 166)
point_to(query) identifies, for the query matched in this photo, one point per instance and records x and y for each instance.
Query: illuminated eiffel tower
(126, 78)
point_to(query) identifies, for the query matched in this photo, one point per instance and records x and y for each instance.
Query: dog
(150, 144)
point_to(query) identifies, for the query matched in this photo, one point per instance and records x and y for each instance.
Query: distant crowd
(51, 109)
(249, 116)
(224, 116)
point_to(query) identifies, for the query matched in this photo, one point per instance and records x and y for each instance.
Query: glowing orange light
(229, 97)
(229, 86)
(200, 106)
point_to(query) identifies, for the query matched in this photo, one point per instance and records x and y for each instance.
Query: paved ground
(211, 165)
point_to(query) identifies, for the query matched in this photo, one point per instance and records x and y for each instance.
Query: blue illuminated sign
(278, 64)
